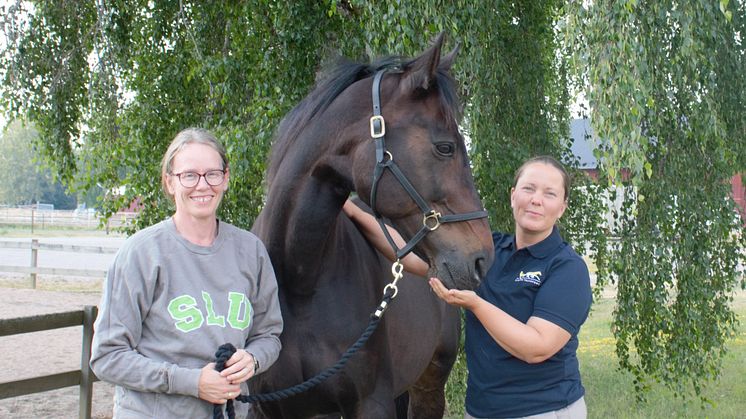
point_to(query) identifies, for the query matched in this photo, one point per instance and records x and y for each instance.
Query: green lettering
(184, 310)
(239, 316)
(212, 318)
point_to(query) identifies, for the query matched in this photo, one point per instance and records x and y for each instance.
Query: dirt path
(48, 352)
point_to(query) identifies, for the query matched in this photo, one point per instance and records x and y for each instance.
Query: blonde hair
(188, 136)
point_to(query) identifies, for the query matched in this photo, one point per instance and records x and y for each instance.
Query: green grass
(610, 392)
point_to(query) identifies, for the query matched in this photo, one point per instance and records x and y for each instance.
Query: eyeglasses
(191, 179)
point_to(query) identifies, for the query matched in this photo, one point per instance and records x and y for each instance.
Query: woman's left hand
(239, 368)
(461, 298)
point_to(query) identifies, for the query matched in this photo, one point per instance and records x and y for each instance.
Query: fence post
(86, 375)
(32, 221)
(34, 258)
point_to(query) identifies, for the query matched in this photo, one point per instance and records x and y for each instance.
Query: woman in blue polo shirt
(522, 323)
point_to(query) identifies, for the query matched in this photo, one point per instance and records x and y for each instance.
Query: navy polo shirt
(547, 280)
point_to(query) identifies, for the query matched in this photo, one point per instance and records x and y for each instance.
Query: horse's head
(419, 104)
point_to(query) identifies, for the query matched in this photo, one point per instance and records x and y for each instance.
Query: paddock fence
(84, 377)
(34, 246)
(42, 219)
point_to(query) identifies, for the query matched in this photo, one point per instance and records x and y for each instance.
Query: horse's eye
(445, 149)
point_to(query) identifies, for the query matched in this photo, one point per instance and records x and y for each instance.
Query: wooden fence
(37, 219)
(33, 269)
(83, 377)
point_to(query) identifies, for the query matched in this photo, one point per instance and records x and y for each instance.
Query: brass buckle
(434, 217)
(373, 132)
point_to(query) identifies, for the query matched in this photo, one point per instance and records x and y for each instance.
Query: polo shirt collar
(545, 247)
(506, 241)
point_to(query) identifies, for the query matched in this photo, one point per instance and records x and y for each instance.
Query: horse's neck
(297, 226)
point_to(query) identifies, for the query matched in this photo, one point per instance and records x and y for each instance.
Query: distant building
(133, 207)
(581, 131)
(739, 190)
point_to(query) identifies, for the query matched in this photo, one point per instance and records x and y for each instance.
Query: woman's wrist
(256, 363)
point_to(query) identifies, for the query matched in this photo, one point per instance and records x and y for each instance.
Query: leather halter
(431, 219)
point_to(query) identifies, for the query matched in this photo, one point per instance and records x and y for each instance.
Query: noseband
(431, 219)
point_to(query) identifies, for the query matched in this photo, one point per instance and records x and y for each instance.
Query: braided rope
(222, 355)
(226, 350)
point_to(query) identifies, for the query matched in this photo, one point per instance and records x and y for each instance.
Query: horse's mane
(332, 83)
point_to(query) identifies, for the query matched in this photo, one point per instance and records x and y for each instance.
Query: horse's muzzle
(464, 272)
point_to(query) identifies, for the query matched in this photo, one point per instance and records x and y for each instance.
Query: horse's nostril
(480, 267)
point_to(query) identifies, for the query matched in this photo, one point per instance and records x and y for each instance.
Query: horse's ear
(421, 71)
(447, 62)
(336, 170)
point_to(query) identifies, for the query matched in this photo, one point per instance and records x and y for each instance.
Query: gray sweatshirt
(166, 307)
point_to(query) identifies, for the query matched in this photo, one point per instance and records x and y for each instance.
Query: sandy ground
(48, 352)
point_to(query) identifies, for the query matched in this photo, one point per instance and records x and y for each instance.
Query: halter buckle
(377, 126)
(431, 220)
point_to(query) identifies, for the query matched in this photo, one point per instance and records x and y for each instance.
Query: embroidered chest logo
(533, 277)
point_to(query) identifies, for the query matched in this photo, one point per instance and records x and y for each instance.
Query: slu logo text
(533, 277)
(189, 317)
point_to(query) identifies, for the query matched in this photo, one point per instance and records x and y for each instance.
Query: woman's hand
(215, 388)
(239, 368)
(532, 342)
(459, 298)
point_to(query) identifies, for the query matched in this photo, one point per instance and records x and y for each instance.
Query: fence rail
(44, 219)
(83, 377)
(33, 269)
(58, 247)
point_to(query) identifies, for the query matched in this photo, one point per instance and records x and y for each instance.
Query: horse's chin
(454, 276)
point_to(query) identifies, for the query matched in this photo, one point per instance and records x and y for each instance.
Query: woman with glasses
(178, 290)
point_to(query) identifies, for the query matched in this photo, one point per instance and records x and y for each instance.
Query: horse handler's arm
(368, 225)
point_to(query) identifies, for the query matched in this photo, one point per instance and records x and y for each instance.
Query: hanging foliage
(665, 82)
(108, 84)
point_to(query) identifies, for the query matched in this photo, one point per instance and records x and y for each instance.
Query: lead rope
(226, 350)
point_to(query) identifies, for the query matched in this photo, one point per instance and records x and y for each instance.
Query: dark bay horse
(331, 278)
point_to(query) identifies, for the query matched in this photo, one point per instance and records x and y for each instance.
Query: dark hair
(548, 160)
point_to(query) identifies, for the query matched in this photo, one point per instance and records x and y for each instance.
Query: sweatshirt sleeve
(125, 303)
(264, 338)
